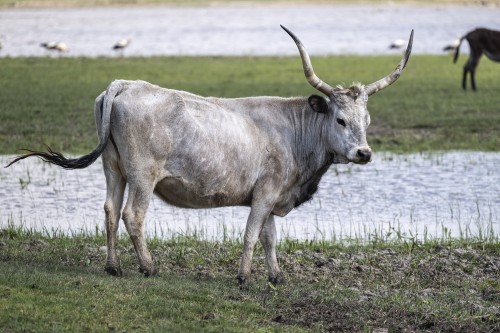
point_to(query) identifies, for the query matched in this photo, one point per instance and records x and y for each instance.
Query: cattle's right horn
(391, 78)
(313, 80)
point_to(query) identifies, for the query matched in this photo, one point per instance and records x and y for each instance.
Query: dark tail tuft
(60, 160)
(102, 112)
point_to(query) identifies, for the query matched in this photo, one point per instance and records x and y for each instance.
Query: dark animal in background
(480, 41)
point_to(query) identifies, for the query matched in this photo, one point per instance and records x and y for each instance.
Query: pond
(239, 29)
(417, 196)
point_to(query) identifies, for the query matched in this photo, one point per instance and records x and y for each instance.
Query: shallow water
(239, 30)
(416, 195)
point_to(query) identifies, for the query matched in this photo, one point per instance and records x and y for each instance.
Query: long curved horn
(391, 78)
(313, 80)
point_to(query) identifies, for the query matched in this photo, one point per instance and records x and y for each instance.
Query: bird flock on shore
(398, 44)
(123, 43)
(61, 47)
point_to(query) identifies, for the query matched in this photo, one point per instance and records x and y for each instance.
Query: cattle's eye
(341, 122)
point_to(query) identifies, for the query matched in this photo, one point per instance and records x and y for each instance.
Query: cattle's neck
(309, 149)
(306, 145)
(292, 124)
(298, 131)
(309, 141)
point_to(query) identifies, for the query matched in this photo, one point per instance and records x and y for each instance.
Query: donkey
(481, 41)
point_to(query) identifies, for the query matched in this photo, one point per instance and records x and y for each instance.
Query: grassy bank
(47, 100)
(57, 284)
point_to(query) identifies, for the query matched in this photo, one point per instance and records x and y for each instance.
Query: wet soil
(402, 287)
(385, 291)
(406, 288)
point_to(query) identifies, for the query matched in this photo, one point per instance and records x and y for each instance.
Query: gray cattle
(268, 153)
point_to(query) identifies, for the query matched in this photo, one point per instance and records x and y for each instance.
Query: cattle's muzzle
(363, 156)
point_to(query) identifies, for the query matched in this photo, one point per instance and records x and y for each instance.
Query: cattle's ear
(318, 103)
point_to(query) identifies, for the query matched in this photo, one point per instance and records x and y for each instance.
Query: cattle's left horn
(313, 80)
(391, 78)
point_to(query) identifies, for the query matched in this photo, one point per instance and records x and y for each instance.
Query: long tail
(102, 112)
(457, 50)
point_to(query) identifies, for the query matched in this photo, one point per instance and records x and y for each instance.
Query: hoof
(278, 279)
(115, 271)
(148, 272)
(243, 281)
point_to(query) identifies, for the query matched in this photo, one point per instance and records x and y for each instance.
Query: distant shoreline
(137, 3)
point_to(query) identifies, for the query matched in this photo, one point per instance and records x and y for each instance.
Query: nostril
(364, 155)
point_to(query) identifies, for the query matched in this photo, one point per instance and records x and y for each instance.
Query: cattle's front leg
(256, 220)
(268, 239)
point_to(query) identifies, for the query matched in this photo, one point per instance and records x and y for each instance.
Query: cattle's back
(211, 155)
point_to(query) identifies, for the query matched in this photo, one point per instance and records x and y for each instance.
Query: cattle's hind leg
(115, 188)
(268, 240)
(139, 196)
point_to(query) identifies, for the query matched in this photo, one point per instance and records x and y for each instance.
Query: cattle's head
(345, 109)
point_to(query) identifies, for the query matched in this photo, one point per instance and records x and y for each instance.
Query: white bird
(121, 44)
(452, 46)
(49, 45)
(59, 46)
(397, 44)
(62, 47)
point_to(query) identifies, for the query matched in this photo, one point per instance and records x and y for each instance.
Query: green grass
(56, 283)
(47, 100)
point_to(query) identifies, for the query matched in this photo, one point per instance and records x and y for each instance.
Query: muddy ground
(403, 287)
